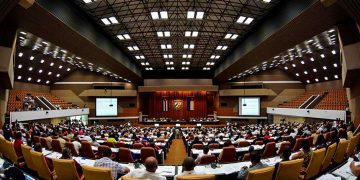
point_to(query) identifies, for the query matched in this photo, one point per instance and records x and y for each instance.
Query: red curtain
(153, 101)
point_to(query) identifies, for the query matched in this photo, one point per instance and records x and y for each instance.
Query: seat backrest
(282, 146)
(297, 145)
(197, 146)
(44, 143)
(207, 159)
(289, 169)
(129, 178)
(2, 148)
(120, 144)
(311, 140)
(341, 151)
(137, 145)
(27, 156)
(227, 154)
(86, 149)
(314, 166)
(11, 154)
(263, 173)
(197, 177)
(125, 155)
(146, 152)
(41, 166)
(71, 146)
(65, 169)
(351, 147)
(246, 157)
(270, 150)
(109, 144)
(329, 155)
(327, 136)
(101, 150)
(213, 146)
(243, 144)
(96, 173)
(259, 142)
(55, 144)
(36, 139)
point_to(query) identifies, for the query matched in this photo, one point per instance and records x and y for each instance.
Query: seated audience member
(267, 136)
(37, 147)
(106, 162)
(228, 143)
(94, 142)
(320, 142)
(111, 138)
(149, 172)
(355, 169)
(77, 144)
(255, 164)
(285, 156)
(48, 140)
(306, 154)
(66, 154)
(188, 166)
(17, 144)
(205, 152)
(249, 135)
(333, 139)
(196, 141)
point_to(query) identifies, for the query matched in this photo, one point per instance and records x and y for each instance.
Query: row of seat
(124, 154)
(13, 105)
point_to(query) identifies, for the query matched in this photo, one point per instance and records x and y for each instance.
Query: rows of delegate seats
(344, 149)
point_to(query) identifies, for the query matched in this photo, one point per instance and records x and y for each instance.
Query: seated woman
(66, 154)
(306, 154)
(285, 156)
(320, 142)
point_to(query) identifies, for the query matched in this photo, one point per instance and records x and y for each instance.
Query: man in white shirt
(149, 172)
(77, 145)
(205, 152)
(188, 166)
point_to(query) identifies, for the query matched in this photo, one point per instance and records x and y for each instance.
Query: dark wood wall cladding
(337, 84)
(151, 104)
(230, 104)
(31, 87)
(127, 106)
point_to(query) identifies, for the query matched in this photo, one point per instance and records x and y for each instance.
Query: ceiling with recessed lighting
(40, 61)
(314, 60)
(177, 35)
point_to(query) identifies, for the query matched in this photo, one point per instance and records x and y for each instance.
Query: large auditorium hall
(179, 89)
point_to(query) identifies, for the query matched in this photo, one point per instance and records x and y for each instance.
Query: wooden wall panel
(31, 87)
(337, 84)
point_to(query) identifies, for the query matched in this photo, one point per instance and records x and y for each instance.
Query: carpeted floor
(177, 153)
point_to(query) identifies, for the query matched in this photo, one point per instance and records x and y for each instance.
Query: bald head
(151, 164)
(189, 164)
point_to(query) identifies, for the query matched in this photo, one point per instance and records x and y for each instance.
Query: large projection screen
(249, 106)
(106, 107)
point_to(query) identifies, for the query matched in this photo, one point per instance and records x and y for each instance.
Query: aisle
(177, 153)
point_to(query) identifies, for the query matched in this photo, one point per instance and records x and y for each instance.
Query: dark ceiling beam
(6, 6)
(62, 24)
(287, 25)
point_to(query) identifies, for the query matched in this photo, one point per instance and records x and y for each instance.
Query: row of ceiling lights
(77, 63)
(190, 15)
